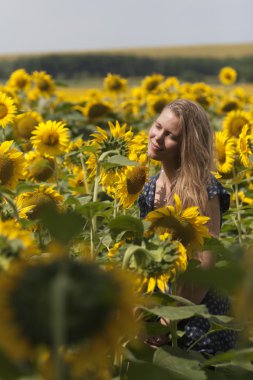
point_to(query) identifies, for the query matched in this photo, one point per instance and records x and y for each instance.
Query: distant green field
(214, 51)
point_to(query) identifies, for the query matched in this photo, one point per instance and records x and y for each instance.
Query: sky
(33, 26)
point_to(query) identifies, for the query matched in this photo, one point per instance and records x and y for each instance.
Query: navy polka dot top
(196, 327)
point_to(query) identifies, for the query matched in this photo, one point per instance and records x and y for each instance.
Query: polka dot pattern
(196, 327)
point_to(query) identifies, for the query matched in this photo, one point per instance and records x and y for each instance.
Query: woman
(182, 140)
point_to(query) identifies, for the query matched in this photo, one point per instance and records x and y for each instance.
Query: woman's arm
(193, 291)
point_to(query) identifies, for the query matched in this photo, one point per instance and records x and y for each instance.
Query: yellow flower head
(187, 225)
(227, 75)
(7, 110)
(225, 153)
(130, 183)
(19, 79)
(234, 122)
(38, 167)
(156, 103)
(32, 203)
(43, 82)
(11, 165)
(51, 137)
(15, 241)
(96, 109)
(25, 123)
(115, 83)
(150, 83)
(245, 147)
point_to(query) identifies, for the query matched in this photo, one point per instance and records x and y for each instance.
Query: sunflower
(7, 110)
(130, 108)
(225, 153)
(15, 241)
(234, 122)
(156, 103)
(115, 83)
(26, 122)
(227, 75)
(130, 184)
(19, 79)
(171, 85)
(96, 109)
(43, 82)
(38, 167)
(11, 165)
(77, 180)
(245, 147)
(32, 203)
(187, 225)
(150, 83)
(51, 137)
(242, 197)
(229, 104)
(161, 267)
(202, 93)
(118, 138)
(92, 328)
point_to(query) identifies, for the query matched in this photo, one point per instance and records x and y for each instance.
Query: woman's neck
(169, 173)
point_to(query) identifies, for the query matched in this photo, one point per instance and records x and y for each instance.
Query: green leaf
(147, 371)
(119, 160)
(180, 364)
(92, 209)
(126, 223)
(62, 226)
(8, 371)
(176, 313)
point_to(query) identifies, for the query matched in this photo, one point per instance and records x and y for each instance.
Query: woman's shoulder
(214, 188)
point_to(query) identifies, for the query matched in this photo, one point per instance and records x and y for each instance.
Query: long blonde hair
(196, 161)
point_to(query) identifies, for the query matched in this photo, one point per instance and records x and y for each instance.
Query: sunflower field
(86, 285)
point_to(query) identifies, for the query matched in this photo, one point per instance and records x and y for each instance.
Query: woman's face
(164, 142)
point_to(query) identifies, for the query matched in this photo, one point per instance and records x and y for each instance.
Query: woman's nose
(159, 136)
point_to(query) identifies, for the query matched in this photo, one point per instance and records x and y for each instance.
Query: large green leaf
(180, 364)
(147, 371)
(119, 160)
(62, 226)
(126, 223)
(91, 209)
(176, 313)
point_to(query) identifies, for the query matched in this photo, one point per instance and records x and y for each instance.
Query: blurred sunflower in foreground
(11, 165)
(92, 308)
(19, 80)
(227, 75)
(225, 153)
(25, 123)
(184, 225)
(39, 167)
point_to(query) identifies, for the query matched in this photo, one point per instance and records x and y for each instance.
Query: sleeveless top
(196, 327)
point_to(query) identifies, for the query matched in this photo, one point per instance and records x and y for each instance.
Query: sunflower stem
(58, 307)
(86, 186)
(3, 134)
(56, 172)
(239, 224)
(173, 324)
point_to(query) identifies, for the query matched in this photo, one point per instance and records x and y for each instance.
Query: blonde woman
(181, 138)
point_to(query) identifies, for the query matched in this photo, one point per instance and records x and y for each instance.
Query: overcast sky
(77, 25)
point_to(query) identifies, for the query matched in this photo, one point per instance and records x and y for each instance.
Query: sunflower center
(97, 289)
(21, 82)
(136, 180)
(41, 168)
(221, 154)
(43, 85)
(40, 201)
(50, 138)
(115, 85)
(6, 169)
(25, 126)
(3, 110)
(230, 106)
(183, 232)
(159, 105)
(237, 125)
(98, 110)
(152, 85)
